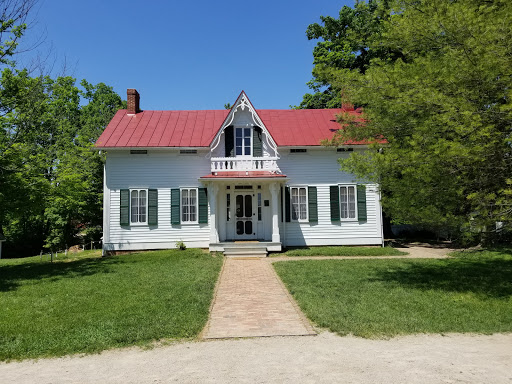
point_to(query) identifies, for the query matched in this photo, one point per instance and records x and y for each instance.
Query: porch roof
(243, 175)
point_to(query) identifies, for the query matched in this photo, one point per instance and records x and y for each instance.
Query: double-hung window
(138, 206)
(189, 205)
(348, 206)
(243, 141)
(299, 203)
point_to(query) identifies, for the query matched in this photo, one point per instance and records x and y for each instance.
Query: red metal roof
(288, 127)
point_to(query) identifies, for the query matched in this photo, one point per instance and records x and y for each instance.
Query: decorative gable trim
(241, 103)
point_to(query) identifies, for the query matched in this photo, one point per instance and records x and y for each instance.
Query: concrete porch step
(229, 246)
(248, 249)
(245, 253)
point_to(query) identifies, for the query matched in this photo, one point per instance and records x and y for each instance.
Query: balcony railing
(237, 164)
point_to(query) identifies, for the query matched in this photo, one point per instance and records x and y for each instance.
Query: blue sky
(186, 54)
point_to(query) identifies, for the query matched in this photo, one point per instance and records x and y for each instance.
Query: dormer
(243, 134)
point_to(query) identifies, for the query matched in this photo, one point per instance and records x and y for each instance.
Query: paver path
(250, 300)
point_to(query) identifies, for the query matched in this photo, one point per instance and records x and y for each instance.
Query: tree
(345, 44)
(22, 188)
(444, 108)
(76, 199)
(51, 181)
(13, 24)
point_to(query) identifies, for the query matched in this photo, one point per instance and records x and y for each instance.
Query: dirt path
(325, 358)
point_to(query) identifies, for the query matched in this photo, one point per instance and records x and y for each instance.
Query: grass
(344, 251)
(84, 303)
(381, 298)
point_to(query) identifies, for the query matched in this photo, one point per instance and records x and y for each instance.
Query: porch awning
(243, 175)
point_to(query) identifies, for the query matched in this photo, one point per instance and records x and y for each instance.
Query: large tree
(50, 178)
(344, 43)
(444, 108)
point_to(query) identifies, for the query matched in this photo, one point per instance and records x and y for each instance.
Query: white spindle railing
(234, 164)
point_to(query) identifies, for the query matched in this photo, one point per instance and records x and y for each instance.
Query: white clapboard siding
(316, 166)
(167, 169)
(163, 171)
(320, 168)
(326, 232)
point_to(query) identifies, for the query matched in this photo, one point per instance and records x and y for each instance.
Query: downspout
(381, 219)
(106, 212)
(283, 209)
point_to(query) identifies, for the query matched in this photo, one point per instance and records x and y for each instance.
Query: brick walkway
(251, 301)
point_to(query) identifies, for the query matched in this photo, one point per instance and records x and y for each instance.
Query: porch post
(212, 197)
(274, 190)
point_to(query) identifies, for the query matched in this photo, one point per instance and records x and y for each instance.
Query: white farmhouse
(239, 180)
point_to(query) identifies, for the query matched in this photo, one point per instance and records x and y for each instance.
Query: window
(228, 206)
(259, 206)
(243, 141)
(344, 149)
(189, 205)
(138, 206)
(348, 202)
(188, 151)
(138, 152)
(299, 203)
(298, 150)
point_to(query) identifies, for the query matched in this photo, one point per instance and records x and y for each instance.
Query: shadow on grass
(488, 277)
(11, 276)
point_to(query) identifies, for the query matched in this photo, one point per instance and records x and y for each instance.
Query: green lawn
(379, 298)
(344, 251)
(85, 303)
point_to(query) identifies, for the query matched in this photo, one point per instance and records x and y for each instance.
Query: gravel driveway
(325, 358)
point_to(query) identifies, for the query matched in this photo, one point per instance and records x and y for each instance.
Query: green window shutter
(312, 205)
(229, 141)
(256, 142)
(175, 206)
(335, 202)
(287, 203)
(152, 206)
(125, 206)
(361, 203)
(203, 205)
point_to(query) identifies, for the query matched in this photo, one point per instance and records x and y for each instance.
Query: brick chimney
(133, 98)
(346, 105)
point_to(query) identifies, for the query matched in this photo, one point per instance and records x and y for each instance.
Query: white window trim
(250, 137)
(138, 223)
(306, 220)
(197, 205)
(355, 197)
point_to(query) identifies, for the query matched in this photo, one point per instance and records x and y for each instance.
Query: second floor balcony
(240, 164)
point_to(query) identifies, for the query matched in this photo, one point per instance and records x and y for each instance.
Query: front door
(244, 213)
